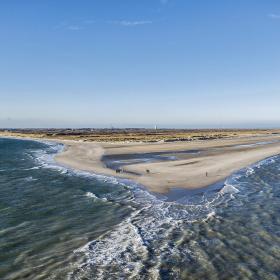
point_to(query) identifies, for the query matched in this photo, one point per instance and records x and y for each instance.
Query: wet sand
(189, 165)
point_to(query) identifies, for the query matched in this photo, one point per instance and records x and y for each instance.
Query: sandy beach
(171, 165)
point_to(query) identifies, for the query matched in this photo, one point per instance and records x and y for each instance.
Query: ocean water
(57, 223)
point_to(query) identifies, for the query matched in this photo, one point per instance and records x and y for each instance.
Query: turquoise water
(57, 223)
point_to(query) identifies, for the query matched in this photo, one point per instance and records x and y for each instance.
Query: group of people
(120, 170)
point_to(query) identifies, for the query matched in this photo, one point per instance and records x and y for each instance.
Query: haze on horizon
(173, 63)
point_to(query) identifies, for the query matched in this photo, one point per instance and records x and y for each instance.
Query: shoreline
(219, 158)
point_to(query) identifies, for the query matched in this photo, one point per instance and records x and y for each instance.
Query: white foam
(92, 195)
(129, 244)
(228, 189)
(122, 248)
(32, 168)
(150, 228)
(250, 171)
(209, 216)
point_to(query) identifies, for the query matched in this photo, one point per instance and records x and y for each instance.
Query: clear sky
(175, 63)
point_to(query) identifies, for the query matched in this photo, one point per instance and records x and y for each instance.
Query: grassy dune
(133, 135)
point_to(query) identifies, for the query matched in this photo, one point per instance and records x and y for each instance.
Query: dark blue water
(57, 223)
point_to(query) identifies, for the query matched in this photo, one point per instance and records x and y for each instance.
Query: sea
(60, 223)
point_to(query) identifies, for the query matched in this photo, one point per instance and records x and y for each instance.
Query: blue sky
(175, 63)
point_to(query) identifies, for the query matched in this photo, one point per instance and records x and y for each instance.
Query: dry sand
(219, 158)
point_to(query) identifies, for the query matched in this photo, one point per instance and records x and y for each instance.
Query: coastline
(216, 158)
(219, 159)
(94, 206)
